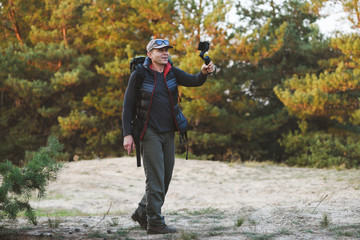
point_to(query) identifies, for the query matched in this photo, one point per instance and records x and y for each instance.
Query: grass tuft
(204, 211)
(113, 223)
(239, 222)
(97, 234)
(325, 221)
(122, 232)
(259, 236)
(188, 236)
(347, 230)
(54, 223)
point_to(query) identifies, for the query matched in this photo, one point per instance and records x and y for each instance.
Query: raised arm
(193, 80)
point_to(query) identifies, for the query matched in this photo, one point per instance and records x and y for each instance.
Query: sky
(334, 22)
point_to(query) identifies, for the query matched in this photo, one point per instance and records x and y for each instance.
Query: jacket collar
(147, 65)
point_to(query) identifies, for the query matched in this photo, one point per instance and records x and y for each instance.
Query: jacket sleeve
(189, 80)
(130, 102)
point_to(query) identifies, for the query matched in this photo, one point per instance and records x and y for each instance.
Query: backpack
(137, 62)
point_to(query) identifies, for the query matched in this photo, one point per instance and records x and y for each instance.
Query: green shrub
(321, 150)
(17, 183)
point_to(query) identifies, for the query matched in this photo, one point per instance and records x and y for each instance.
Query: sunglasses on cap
(160, 42)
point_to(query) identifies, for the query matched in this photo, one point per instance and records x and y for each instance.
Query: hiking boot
(141, 220)
(162, 229)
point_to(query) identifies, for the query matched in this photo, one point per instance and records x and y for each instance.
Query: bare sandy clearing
(205, 201)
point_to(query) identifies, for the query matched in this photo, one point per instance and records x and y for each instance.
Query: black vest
(146, 88)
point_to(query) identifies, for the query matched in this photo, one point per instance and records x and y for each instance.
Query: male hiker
(151, 115)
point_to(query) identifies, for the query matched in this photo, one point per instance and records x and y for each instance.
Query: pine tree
(37, 85)
(327, 106)
(18, 184)
(277, 42)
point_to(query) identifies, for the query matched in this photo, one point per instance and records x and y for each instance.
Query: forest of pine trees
(283, 91)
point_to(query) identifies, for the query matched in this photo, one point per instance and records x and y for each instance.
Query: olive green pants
(158, 153)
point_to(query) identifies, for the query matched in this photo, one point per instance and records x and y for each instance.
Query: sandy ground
(206, 200)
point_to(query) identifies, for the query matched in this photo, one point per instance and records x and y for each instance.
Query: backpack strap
(140, 76)
(138, 156)
(187, 145)
(139, 80)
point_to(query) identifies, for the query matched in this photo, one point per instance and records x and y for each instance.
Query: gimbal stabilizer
(204, 47)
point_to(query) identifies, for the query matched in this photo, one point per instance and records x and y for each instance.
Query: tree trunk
(64, 36)
(16, 29)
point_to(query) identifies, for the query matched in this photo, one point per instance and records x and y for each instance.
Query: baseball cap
(157, 43)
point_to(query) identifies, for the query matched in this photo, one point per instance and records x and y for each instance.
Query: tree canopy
(282, 92)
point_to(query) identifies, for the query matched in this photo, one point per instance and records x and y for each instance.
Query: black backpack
(137, 62)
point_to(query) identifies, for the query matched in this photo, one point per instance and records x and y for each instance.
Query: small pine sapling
(17, 183)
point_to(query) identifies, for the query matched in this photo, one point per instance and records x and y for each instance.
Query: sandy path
(289, 203)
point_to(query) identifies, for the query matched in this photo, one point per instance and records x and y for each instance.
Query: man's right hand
(208, 69)
(129, 144)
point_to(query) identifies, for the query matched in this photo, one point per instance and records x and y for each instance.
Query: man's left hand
(207, 69)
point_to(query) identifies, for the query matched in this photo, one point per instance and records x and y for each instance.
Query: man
(151, 115)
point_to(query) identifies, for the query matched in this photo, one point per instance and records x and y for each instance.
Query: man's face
(159, 55)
